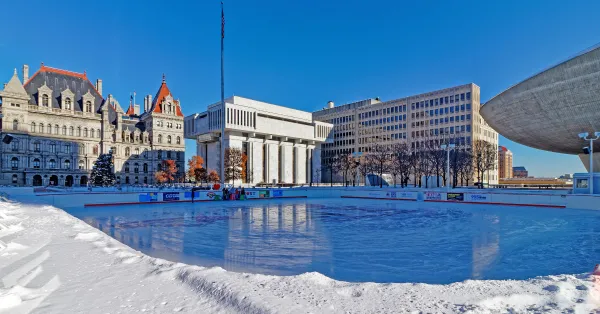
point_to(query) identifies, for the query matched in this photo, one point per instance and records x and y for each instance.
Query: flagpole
(222, 116)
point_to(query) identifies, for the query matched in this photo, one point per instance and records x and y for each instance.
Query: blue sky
(303, 53)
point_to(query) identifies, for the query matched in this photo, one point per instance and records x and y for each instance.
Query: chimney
(147, 103)
(25, 73)
(99, 86)
(136, 109)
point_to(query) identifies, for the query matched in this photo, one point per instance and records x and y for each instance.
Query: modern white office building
(449, 115)
(282, 145)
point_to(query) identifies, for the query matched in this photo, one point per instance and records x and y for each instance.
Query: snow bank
(51, 262)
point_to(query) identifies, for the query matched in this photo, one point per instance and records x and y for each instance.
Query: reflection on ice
(360, 240)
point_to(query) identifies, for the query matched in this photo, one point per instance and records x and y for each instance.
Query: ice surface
(78, 269)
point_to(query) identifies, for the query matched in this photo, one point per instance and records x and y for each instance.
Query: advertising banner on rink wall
(170, 196)
(434, 196)
(455, 197)
(477, 197)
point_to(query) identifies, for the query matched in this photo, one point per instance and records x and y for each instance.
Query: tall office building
(505, 163)
(424, 120)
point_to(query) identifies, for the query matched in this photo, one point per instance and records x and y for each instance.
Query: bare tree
(465, 165)
(490, 157)
(380, 155)
(425, 163)
(364, 167)
(233, 164)
(479, 158)
(345, 165)
(437, 158)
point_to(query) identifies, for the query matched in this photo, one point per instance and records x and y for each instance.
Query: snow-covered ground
(51, 262)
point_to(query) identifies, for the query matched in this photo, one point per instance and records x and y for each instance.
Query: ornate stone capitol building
(60, 123)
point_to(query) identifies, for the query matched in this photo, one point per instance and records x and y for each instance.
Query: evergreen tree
(102, 172)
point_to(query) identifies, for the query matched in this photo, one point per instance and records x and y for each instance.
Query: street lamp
(448, 148)
(586, 137)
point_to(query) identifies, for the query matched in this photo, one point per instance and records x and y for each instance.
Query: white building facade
(282, 145)
(449, 115)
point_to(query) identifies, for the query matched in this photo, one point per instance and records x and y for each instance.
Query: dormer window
(88, 106)
(67, 97)
(45, 100)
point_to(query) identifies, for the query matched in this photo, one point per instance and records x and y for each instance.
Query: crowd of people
(233, 193)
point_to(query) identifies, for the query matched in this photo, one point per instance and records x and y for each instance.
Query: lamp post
(586, 137)
(448, 147)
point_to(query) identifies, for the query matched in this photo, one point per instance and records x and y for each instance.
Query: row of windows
(67, 103)
(39, 128)
(441, 101)
(441, 111)
(52, 147)
(241, 117)
(441, 131)
(442, 120)
(169, 139)
(50, 164)
(169, 124)
(383, 120)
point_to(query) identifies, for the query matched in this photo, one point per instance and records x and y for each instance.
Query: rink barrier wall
(555, 199)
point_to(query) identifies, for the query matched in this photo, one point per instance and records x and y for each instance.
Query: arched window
(15, 124)
(126, 167)
(88, 106)
(98, 132)
(45, 100)
(49, 128)
(81, 165)
(67, 164)
(52, 164)
(78, 131)
(32, 127)
(131, 137)
(136, 167)
(178, 140)
(56, 129)
(168, 139)
(145, 168)
(36, 164)
(64, 130)
(127, 151)
(92, 135)
(71, 129)
(159, 137)
(14, 163)
(41, 128)
(85, 132)
(68, 103)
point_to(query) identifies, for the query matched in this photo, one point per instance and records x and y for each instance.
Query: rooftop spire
(164, 77)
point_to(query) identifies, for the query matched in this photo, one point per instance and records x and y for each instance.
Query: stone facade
(61, 123)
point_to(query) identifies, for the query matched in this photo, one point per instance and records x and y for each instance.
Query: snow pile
(51, 262)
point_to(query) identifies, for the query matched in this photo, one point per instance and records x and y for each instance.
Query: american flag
(222, 22)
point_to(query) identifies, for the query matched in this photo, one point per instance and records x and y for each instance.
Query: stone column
(287, 149)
